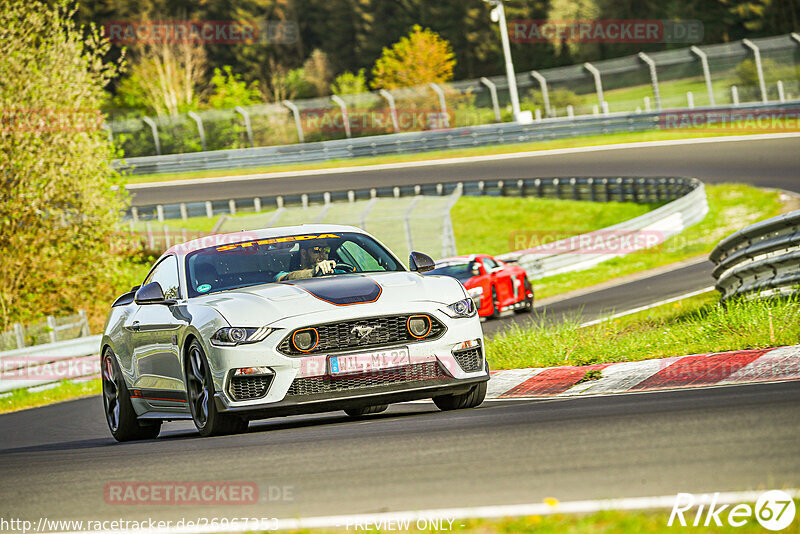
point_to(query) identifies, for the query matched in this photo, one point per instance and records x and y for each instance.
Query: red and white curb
(696, 370)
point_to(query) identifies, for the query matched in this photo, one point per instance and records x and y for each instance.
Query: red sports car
(495, 286)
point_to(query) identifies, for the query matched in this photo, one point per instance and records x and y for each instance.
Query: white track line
(649, 306)
(467, 159)
(479, 512)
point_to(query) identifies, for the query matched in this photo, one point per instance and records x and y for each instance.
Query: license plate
(369, 361)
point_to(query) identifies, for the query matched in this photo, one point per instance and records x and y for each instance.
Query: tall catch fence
(761, 70)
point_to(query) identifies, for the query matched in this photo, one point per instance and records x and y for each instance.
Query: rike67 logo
(774, 510)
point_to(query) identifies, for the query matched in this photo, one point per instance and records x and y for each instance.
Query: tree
(229, 90)
(317, 72)
(421, 57)
(58, 212)
(348, 83)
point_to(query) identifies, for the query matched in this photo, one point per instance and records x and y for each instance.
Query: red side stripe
(700, 370)
(551, 381)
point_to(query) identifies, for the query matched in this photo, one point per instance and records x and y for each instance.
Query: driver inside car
(313, 262)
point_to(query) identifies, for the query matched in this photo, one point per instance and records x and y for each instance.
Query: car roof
(214, 240)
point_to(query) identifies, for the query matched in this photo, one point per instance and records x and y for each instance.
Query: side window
(364, 259)
(166, 274)
(489, 264)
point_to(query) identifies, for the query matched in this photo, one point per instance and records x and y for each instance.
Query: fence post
(407, 223)
(209, 209)
(647, 103)
(19, 334)
(345, 117)
(493, 92)
(690, 99)
(781, 94)
(735, 95)
(232, 207)
(160, 213)
(706, 72)
(51, 325)
(545, 94)
(653, 77)
(84, 323)
(135, 214)
(257, 204)
(200, 130)
(757, 55)
(570, 111)
(442, 103)
(249, 127)
(392, 109)
(598, 83)
(184, 214)
(297, 124)
(151, 123)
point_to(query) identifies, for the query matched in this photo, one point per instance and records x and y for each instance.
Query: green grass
(695, 325)
(731, 207)
(593, 140)
(22, 399)
(494, 225)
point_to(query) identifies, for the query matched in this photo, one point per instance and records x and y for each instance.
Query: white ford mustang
(312, 318)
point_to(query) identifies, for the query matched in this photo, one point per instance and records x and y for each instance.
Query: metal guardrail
(50, 362)
(400, 143)
(762, 259)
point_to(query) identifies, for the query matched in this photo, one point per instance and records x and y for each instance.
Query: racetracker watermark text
(201, 31)
(605, 31)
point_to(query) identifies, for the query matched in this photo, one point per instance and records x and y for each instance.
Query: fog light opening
(305, 340)
(468, 344)
(243, 371)
(419, 326)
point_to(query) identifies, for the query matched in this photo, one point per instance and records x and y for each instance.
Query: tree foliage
(348, 83)
(57, 210)
(419, 58)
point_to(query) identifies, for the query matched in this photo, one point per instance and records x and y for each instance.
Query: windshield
(282, 259)
(461, 271)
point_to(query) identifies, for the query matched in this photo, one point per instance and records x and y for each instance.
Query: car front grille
(420, 372)
(470, 360)
(340, 336)
(249, 387)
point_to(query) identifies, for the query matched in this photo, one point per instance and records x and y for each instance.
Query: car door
(155, 330)
(500, 281)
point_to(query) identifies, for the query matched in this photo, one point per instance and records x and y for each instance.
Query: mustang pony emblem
(362, 332)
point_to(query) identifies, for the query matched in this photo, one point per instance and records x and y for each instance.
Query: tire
(471, 399)
(366, 410)
(526, 286)
(120, 415)
(495, 308)
(200, 394)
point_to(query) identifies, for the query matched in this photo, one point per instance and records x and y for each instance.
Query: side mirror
(151, 294)
(422, 263)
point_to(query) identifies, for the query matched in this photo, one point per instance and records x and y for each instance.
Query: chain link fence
(745, 71)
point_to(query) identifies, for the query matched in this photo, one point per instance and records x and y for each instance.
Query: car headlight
(232, 336)
(462, 308)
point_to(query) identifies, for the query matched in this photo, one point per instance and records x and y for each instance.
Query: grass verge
(22, 399)
(591, 140)
(695, 325)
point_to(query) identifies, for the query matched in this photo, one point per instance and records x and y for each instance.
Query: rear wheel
(526, 288)
(200, 392)
(495, 305)
(120, 415)
(366, 410)
(470, 399)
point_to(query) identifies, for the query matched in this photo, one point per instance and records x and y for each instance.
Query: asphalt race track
(768, 163)
(56, 461)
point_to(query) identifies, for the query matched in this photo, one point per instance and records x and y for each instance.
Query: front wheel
(470, 399)
(120, 415)
(200, 392)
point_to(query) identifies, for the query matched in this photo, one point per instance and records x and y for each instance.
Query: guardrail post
(156, 141)
(297, 124)
(232, 207)
(19, 334)
(537, 114)
(209, 209)
(184, 214)
(706, 72)
(392, 109)
(51, 326)
(757, 55)
(160, 213)
(249, 127)
(257, 204)
(135, 214)
(345, 117)
(545, 94)
(735, 95)
(442, 103)
(570, 111)
(653, 77)
(200, 130)
(690, 99)
(781, 94)
(590, 182)
(598, 83)
(493, 92)
(84, 323)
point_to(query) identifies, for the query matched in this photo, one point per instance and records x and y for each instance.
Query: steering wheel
(341, 268)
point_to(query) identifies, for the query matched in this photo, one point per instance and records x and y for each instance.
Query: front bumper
(304, 384)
